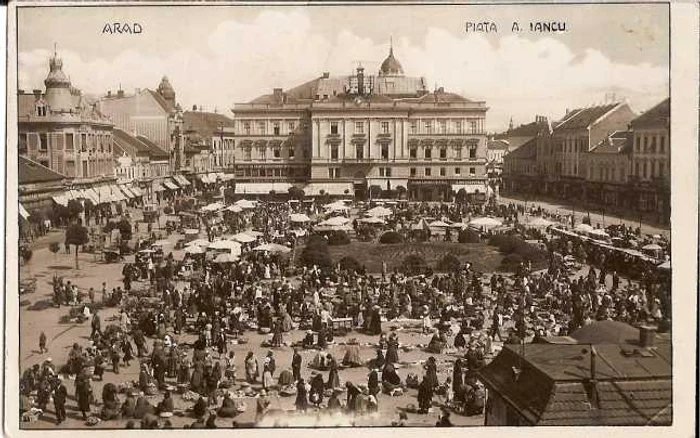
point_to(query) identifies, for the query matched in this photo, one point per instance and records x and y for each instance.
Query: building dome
(391, 66)
(165, 89)
(56, 77)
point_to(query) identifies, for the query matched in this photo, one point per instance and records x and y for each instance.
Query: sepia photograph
(312, 216)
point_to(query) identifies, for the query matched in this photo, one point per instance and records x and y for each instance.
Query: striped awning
(61, 199)
(136, 190)
(158, 187)
(126, 191)
(91, 194)
(170, 185)
(23, 212)
(180, 179)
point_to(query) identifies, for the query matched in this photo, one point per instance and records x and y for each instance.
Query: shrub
(168, 210)
(54, 247)
(295, 193)
(414, 265)
(316, 253)
(124, 229)
(338, 238)
(468, 236)
(26, 254)
(391, 237)
(350, 264)
(448, 263)
(316, 240)
(512, 262)
(74, 208)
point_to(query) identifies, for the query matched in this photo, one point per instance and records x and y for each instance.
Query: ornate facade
(371, 135)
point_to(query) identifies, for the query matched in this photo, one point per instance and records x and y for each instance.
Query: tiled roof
(583, 117)
(155, 151)
(618, 142)
(30, 172)
(526, 151)
(658, 116)
(553, 386)
(167, 107)
(206, 123)
(129, 144)
(497, 145)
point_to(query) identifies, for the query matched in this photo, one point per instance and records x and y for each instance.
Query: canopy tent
(194, 249)
(372, 220)
(23, 212)
(243, 238)
(379, 211)
(199, 242)
(583, 228)
(299, 218)
(539, 222)
(234, 208)
(137, 191)
(666, 266)
(273, 247)
(225, 258)
(214, 206)
(170, 185)
(652, 247)
(438, 224)
(486, 222)
(245, 204)
(129, 194)
(162, 242)
(460, 225)
(61, 200)
(226, 244)
(597, 232)
(335, 221)
(336, 206)
(158, 187)
(92, 195)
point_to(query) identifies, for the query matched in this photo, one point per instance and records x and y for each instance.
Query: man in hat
(296, 365)
(59, 400)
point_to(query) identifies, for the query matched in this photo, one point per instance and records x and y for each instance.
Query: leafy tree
(74, 208)
(338, 238)
(391, 237)
(76, 234)
(468, 236)
(295, 193)
(375, 192)
(316, 253)
(124, 227)
(350, 264)
(448, 263)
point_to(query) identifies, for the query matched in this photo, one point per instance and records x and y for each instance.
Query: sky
(215, 56)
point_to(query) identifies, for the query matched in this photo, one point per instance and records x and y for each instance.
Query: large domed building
(371, 135)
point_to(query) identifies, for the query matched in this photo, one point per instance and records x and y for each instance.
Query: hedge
(414, 265)
(448, 263)
(468, 236)
(338, 238)
(350, 264)
(391, 237)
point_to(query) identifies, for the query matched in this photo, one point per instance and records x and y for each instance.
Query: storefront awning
(262, 188)
(91, 194)
(387, 183)
(136, 190)
(23, 212)
(180, 179)
(116, 193)
(469, 188)
(61, 200)
(104, 195)
(206, 179)
(170, 185)
(334, 189)
(129, 194)
(158, 187)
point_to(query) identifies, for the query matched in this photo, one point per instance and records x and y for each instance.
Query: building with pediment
(383, 135)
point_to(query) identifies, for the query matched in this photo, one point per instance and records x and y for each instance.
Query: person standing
(302, 401)
(42, 343)
(59, 401)
(84, 393)
(296, 365)
(96, 325)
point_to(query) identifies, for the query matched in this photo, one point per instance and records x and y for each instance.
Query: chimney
(109, 93)
(646, 336)
(441, 90)
(37, 94)
(326, 75)
(277, 93)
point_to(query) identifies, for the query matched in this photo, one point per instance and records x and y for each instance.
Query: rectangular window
(290, 127)
(385, 152)
(359, 152)
(443, 153)
(458, 171)
(458, 126)
(70, 168)
(22, 144)
(428, 127)
(413, 153)
(276, 153)
(443, 127)
(359, 127)
(276, 128)
(69, 142)
(43, 142)
(646, 144)
(387, 172)
(458, 153)
(662, 144)
(413, 128)
(291, 152)
(653, 145)
(334, 152)
(428, 153)
(427, 171)
(85, 169)
(385, 127)
(381, 171)
(246, 128)
(472, 171)
(412, 172)
(443, 171)
(472, 152)
(638, 146)
(472, 127)
(334, 172)
(83, 142)
(261, 128)
(334, 128)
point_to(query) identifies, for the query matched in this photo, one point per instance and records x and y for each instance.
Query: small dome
(391, 66)
(165, 89)
(56, 77)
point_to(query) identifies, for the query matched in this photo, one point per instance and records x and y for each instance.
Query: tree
(295, 193)
(76, 234)
(448, 263)
(391, 237)
(316, 253)
(124, 229)
(74, 208)
(54, 247)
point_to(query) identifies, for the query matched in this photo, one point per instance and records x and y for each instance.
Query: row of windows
(385, 172)
(261, 128)
(280, 172)
(442, 127)
(276, 153)
(647, 144)
(428, 153)
(650, 169)
(425, 127)
(86, 142)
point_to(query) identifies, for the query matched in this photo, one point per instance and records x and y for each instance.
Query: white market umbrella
(194, 249)
(372, 220)
(584, 228)
(665, 265)
(485, 222)
(235, 208)
(253, 233)
(539, 222)
(162, 242)
(335, 221)
(298, 217)
(652, 247)
(458, 225)
(225, 258)
(245, 204)
(225, 244)
(199, 242)
(243, 238)
(336, 206)
(272, 247)
(438, 224)
(599, 233)
(379, 211)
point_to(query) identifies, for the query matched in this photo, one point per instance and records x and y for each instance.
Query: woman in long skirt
(277, 339)
(333, 377)
(301, 401)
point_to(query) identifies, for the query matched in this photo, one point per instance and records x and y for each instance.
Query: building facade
(62, 131)
(371, 135)
(214, 135)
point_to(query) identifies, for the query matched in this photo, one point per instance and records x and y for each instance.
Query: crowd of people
(181, 332)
